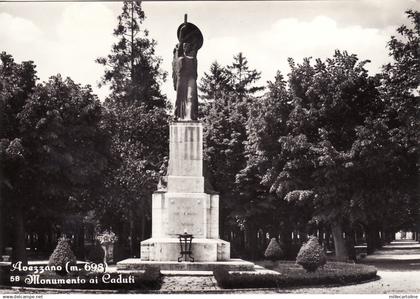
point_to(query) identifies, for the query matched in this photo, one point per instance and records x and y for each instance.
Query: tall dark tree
(138, 148)
(132, 69)
(215, 84)
(17, 82)
(266, 124)
(51, 148)
(224, 133)
(330, 99)
(137, 122)
(243, 79)
(65, 152)
(387, 145)
(224, 118)
(401, 93)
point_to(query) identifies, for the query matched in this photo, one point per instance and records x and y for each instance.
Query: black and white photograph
(210, 148)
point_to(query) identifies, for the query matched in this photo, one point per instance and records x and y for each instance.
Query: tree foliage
(137, 123)
(224, 119)
(132, 69)
(215, 84)
(52, 149)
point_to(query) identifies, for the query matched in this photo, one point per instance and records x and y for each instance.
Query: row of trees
(64, 153)
(329, 148)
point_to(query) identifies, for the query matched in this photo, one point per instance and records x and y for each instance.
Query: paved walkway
(398, 266)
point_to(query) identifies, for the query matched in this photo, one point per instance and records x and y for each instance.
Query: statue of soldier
(184, 71)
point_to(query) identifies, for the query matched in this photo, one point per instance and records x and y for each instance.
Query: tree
(137, 123)
(224, 120)
(138, 148)
(65, 151)
(243, 78)
(51, 147)
(400, 91)
(267, 123)
(330, 99)
(215, 84)
(387, 145)
(17, 83)
(132, 69)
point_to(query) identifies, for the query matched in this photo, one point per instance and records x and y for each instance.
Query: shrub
(311, 255)
(238, 280)
(273, 251)
(62, 255)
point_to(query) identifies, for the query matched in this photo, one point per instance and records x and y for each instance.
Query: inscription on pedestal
(186, 215)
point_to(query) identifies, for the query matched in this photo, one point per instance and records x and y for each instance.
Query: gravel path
(188, 283)
(390, 283)
(398, 267)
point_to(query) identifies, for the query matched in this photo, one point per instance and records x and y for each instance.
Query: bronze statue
(184, 71)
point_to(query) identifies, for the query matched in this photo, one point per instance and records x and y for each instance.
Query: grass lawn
(291, 274)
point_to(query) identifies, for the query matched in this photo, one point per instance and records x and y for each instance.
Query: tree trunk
(371, 238)
(252, 240)
(351, 242)
(387, 236)
(41, 244)
(339, 242)
(19, 250)
(327, 240)
(286, 241)
(143, 228)
(1, 222)
(131, 232)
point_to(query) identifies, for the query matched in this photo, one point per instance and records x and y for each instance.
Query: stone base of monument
(167, 249)
(185, 207)
(230, 265)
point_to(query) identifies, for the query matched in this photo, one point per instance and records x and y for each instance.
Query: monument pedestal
(184, 207)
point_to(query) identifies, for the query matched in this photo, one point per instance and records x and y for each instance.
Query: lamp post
(185, 241)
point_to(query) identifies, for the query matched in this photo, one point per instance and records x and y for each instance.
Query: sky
(67, 37)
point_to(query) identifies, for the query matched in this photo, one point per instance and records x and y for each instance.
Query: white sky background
(67, 37)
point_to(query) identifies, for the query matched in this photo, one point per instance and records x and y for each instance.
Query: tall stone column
(184, 206)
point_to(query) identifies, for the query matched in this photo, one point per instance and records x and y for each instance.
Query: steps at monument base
(230, 265)
(168, 249)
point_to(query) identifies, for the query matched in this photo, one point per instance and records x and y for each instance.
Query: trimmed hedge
(61, 255)
(311, 255)
(291, 275)
(273, 251)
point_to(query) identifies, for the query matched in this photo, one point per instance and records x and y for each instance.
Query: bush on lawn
(311, 255)
(240, 280)
(62, 255)
(291, 276)
(273, 251)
